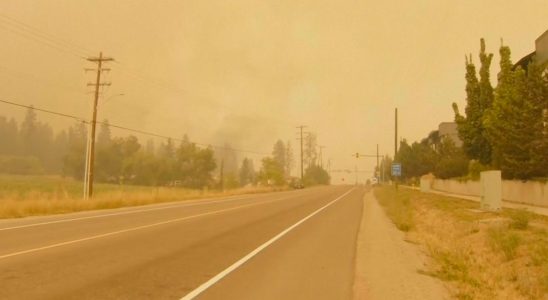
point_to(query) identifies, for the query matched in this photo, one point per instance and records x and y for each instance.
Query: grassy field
(479, 255)
(22, 196)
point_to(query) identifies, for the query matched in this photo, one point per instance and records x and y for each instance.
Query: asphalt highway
(285, 245)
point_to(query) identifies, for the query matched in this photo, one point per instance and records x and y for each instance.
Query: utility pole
(396, 143)
(222, 179)
(99, 60)
(302, 153)
(396, 134)
(321, 157)
(378, 170)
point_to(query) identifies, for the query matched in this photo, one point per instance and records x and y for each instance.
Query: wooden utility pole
(321, 156)
(99, 60)
(378, 169)
(222, 179)
(396, 134)
(396, 143)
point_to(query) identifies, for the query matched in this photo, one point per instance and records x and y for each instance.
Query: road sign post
(396, 172)
(396, 169)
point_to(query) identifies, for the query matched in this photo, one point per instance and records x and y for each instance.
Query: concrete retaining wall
(529, 192)
(469, 188)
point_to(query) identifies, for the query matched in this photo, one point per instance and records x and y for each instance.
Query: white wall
(529, 192)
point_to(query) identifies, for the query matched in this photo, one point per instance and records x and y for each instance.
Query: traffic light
(357, 155)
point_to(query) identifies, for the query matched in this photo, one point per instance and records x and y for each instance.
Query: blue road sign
(396, 170)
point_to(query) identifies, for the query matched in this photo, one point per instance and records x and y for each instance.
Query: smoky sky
(248, 72)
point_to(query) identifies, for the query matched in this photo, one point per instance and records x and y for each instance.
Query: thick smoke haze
(248, 72)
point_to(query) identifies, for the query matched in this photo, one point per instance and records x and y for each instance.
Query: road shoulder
(386, 265)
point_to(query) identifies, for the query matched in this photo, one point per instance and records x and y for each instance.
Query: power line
(79, 51)
(38, 35)
(83, 120)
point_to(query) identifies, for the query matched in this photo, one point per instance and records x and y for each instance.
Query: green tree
(416, 160)
(279, 154)
(516, 122)
(194, 166)
(289, 159)
(29, 132)
(479, 98)
(272, 172)
(452, 160)
(316, 175)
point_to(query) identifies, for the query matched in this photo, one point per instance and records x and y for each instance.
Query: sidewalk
(506, 204)
(387, 266)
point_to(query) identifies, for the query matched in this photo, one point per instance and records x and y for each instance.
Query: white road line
(135, 229)
(244, 259)
(128, 212)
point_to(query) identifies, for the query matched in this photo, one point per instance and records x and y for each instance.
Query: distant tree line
(503, 127)
(433, 154)
(276, 168)
(32, 147)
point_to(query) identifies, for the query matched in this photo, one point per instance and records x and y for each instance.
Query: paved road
(287, 245)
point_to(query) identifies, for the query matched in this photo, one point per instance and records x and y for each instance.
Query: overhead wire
(82, 52)
(79, 51)
(38, 35)
(83, 120)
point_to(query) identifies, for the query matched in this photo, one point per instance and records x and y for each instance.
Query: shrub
(451, 166)
(504, 240)
(475, 168)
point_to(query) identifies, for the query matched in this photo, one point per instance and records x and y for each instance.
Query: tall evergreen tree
(289, 159)
(29, 132)
(247, 172)
(279, 154)
(479, 98)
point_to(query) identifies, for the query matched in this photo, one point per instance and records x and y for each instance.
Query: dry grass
(22, 196)
(479, 255)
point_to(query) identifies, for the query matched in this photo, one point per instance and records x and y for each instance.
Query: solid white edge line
(134, 229)
(244, 259)
(166, 206)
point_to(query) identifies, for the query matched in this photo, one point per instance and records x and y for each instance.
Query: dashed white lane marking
(98, 236)
(244, 259)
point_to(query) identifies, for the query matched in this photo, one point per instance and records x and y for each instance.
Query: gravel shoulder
(386, 265)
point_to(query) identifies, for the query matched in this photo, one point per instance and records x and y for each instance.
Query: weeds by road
(22, 196)
(480, 255)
